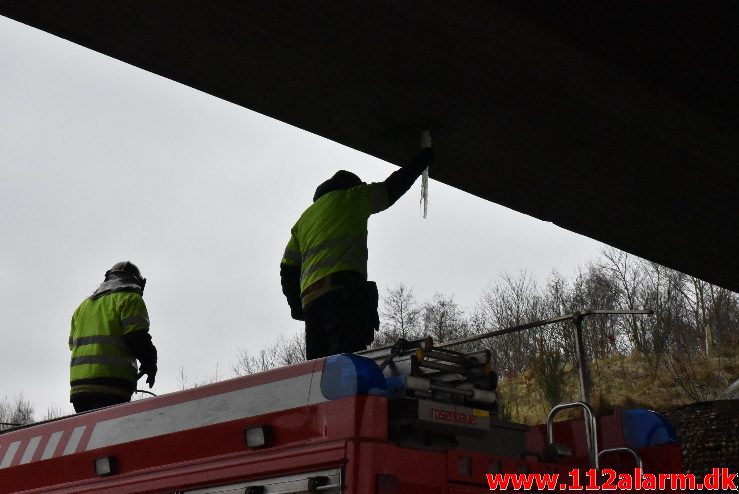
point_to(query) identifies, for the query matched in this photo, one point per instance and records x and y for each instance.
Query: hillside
(626, 382)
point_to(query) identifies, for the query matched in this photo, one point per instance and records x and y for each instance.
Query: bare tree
(15, 412)
(290, 350)
(251, 364)
(512, 301)
(443, 319)
(285, 351)
(400, 317)
(550, 374)
(594, 289)
(55, 412)
(628, 275)
(716, 314)
(185, 382)
(724, 316)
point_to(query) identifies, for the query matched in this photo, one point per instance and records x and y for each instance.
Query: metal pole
(535, 324)
(500, 332)
(582, 359)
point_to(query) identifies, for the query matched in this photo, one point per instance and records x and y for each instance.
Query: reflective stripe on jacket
(331, 235)
(101, 362)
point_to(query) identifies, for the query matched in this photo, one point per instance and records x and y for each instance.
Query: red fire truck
(408, 419)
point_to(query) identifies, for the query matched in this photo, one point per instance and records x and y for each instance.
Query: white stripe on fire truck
(51, 445)
(10, 454)
(243, 403)
(74, 440)
(30, 450)
(49, 450)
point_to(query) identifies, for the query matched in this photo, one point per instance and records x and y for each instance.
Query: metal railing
(637, 457)
(591, 428)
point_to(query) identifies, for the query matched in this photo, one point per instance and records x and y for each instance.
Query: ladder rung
(455, 358)
(454, 369)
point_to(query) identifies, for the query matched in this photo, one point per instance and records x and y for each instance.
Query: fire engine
(410, 418)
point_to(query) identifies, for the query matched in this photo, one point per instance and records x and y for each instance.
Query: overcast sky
(101, 162)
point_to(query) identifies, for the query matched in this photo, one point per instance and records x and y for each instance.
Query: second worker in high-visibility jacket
(109, 333)
(324, 268)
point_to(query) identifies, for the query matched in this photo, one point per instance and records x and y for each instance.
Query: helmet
(340, 181)
(128, 271)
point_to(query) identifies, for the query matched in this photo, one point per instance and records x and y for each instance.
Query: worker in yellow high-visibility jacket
(324, 268)
(109, 333)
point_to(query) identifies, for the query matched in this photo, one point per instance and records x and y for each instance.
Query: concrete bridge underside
(616, 120)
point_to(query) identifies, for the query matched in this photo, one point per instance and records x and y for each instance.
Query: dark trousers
(84, 402)
(336, 322)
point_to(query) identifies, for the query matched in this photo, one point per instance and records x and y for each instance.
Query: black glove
(423, 159)
(151, 373)
(140, 345)
(401, 180)
(296, 312)
(290, 280)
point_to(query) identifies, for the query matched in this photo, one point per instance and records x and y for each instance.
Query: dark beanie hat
(340, 181)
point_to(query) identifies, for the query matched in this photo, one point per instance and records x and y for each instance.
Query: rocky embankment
(709, 435)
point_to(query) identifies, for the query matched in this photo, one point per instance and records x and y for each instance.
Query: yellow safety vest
(101, 361)
(331, 235)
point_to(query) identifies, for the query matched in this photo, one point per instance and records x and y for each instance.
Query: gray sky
(101, 162)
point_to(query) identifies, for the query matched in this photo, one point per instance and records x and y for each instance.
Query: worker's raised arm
(401, 180)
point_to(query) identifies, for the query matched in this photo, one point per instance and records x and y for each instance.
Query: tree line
(693, 321)
(691, 316)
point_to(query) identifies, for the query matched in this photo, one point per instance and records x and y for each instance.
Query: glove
(296, 312)
(151, 373)
(290, 281)
(424, 158)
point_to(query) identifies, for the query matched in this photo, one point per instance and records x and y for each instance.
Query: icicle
(425, 192)
(424, 203)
